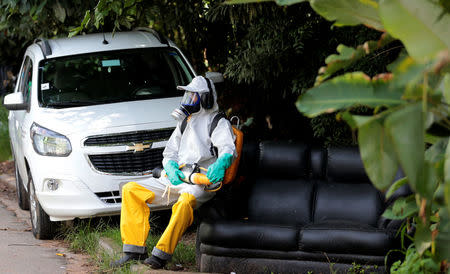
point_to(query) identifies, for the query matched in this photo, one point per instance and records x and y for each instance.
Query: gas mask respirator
(189, 104)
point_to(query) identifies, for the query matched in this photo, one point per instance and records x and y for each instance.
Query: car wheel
(22, 195)
(41, 226)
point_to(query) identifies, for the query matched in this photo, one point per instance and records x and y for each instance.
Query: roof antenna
(104, 40)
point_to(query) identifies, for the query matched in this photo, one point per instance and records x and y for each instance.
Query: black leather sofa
(299, 210)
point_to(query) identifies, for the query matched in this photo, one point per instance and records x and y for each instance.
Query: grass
(85, 234)
(5, 150)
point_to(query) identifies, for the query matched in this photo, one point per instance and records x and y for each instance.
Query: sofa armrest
(388, 224)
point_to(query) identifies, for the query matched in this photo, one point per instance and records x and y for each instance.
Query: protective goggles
(190, 99)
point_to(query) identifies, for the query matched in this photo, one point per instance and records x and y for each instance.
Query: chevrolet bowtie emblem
(139, 147)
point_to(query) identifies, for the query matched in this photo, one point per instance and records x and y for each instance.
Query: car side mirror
(14, 101)
(216, 77)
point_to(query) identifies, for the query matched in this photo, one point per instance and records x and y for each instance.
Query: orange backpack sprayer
(193, 173)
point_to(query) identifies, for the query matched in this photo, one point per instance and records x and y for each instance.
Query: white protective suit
(193, 146)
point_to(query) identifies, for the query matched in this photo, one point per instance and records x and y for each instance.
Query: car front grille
(129, 137)
(109, 197)
(128, 162)
(119, 161)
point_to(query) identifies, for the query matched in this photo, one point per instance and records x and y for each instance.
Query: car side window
(25, 83)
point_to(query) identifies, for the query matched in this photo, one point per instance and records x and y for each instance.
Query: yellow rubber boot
(134, 224)
(182, 217)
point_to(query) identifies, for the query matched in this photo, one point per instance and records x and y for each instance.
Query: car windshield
(114, 76)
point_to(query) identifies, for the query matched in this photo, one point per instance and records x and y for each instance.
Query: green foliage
(344, 13)
(377, 153)
(347, 90)
(23, 21)
(263, 55)
(184, 254)
(415, 263)
(396, 131)
(9, 48)
(349, 13)
(366, 58)
(348, 56)
(399, 183)
(5, 149)
(361, 269)
(182, 21)
(333, 132)
(269, 54)
(443, 238)
(402, 208)
(413, 26)
(401, 125)
(84, 236)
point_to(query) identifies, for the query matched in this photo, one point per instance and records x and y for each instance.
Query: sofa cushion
(284, 160)
(345, 165)
(345, 238)
(281, 202)
(244, 234)
(360, 203)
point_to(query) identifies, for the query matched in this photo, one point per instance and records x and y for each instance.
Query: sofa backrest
(282, 193)
(344, 192)
(297, 184)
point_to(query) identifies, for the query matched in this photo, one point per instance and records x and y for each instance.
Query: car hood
(97, 117)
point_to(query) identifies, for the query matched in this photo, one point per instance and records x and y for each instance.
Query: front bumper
(82, 191)
(74, 199)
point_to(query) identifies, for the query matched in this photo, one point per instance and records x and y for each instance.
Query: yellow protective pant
(134, 224)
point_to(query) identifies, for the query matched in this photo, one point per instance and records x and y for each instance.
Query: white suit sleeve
(223, 138)
(172, 146)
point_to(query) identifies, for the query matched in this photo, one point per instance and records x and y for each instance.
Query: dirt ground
(7, 167)
(76, 262)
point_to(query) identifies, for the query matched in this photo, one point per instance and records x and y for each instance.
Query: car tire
(41, 226)
(22, 195)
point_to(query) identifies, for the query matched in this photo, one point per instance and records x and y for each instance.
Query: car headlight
(49, 143)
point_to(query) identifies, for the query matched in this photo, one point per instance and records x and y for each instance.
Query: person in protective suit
(188, 147)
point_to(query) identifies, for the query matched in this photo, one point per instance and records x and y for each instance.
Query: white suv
(89, 113)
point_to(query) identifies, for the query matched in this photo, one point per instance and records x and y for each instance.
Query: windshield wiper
(71, 104)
